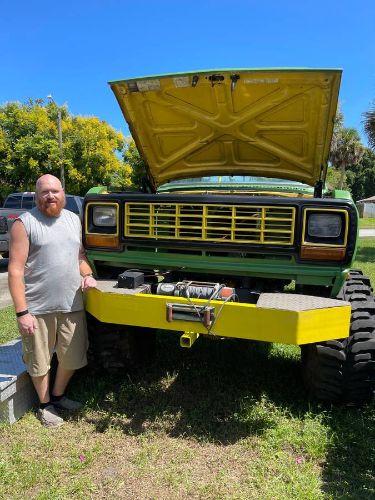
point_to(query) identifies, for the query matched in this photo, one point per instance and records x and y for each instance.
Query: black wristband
(22, 313)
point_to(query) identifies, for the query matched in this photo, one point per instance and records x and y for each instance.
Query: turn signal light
(102, 240)
(322, 253)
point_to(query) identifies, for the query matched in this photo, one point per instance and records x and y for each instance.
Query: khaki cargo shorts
(63, 333)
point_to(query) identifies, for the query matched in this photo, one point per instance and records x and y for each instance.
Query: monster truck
(234, 233)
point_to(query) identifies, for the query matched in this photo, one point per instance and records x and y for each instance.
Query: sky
(72, 49)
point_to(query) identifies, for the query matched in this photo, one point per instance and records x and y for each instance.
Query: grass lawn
(367, 223)
(365, 258)
(8, 325)
(222, 420)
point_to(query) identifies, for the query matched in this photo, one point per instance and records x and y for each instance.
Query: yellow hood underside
(271, 123)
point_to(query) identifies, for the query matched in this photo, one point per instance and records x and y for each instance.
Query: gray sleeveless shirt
(52, 277)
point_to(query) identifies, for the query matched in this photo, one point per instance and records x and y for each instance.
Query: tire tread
(343, 370)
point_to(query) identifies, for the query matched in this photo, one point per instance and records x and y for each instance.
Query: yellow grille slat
(213, 223)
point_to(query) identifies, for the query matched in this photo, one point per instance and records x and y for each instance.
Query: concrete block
(17, 393)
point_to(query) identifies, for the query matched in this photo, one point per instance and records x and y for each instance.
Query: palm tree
(369, 125)
(346, 150)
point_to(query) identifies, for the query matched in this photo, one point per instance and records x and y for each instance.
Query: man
(47, 272)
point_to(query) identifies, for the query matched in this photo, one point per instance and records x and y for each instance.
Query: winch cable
(205, 292)
(227, 299)
(191, 302)
(199, 291)
(209, 329)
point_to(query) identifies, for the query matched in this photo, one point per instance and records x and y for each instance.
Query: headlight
(103, 216)
(101, 225)
(323, 230)
(323, 225)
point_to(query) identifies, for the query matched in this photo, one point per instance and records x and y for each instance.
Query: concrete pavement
(5, 298)
(364, 233)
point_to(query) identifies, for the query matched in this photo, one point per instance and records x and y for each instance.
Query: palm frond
(369, 126)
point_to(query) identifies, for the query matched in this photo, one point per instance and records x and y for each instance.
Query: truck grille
(267, 225)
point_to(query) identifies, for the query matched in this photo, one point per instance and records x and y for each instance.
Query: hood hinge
(318, 188)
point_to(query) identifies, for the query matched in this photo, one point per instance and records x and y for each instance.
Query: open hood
(271, 123)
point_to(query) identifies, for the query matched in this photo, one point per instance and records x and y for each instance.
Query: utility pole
(59, 130)
(59, 137)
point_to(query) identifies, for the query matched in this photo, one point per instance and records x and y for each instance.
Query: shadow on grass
(349, 471)
(215, 392)
(365, 254)
(211, 391)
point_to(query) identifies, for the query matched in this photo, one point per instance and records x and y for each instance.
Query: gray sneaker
(49, 417)
(67, 404)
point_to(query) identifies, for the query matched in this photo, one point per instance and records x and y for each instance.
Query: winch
(196, 290)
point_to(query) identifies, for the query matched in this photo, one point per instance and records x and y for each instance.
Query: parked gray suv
(17, 203)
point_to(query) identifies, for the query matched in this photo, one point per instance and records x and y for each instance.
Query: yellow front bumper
(283, 324)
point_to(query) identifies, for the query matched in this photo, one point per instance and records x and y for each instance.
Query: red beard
(51, 209)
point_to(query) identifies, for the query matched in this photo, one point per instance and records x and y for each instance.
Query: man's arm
(19, 250)
(84, 268)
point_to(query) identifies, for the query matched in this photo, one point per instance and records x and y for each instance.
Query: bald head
(47, 179)
(50, 196)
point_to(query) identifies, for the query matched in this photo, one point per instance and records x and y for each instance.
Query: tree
(346, 149)
(361, 178)
(26, 141)
(333, 179)
(137, 164)
(90, 158)
(29, 148)
(369, 125)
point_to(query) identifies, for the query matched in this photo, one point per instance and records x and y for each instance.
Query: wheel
(343, 371)
(115, 348)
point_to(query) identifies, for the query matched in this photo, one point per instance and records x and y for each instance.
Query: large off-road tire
(115, 348)
(343, 371)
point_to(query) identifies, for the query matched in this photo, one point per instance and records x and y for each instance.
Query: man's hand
(27, 324)
(88, 282)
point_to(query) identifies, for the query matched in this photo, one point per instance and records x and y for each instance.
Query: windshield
(233, 179)
(13, 201)
(71, 204)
